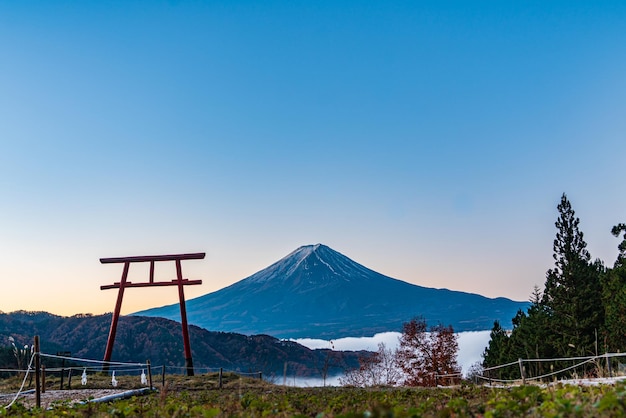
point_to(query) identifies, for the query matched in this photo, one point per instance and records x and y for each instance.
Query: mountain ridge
(317, 292)
(159, 340)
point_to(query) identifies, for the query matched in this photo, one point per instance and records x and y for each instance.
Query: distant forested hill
(160, 341)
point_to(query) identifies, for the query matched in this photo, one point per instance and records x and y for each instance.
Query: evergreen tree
(616, 231)
(498, 353)
(530, 338)
(573, 293)
(614, 297)
(581, 301)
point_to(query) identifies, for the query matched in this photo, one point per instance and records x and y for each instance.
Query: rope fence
(79, 364)
(83, 360)
(580, 362)
(220, 371)
(94, 374)
(30, 363)
(207, 370)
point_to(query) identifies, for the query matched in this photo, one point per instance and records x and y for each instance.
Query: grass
(244, 397)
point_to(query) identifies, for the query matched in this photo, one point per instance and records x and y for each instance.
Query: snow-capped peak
(302, 262)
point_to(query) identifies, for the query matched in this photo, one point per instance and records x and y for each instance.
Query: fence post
(260, 375)
(163, 376)
(149, 374)
(608, 364)
(521, 370)
(37, 373)
(220, 378)
(69, 379)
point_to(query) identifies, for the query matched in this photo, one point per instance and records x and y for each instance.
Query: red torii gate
(179, 281)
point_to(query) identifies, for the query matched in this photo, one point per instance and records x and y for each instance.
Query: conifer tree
(572, 292)
(530, 338)
(616, 231)
(614, 297)
(582, 302)
(497, 352)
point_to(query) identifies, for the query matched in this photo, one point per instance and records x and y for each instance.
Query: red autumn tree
(428, 357)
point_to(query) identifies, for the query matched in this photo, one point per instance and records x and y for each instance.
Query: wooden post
(163, 376)
(608, 365)
(63, 354)
(37, 373)
(183, 320)
(43, 379)
(69, 379)
(115, 318)
(521, 371)
(260, 375)
(149, 374)
(220, 378)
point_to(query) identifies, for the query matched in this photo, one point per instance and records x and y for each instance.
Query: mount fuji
(317, 292)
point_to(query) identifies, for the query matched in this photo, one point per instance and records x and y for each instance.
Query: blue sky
(429, 141)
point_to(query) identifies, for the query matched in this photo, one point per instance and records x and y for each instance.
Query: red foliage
(428, 358)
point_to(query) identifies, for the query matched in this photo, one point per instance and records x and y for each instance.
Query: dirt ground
(51, 396)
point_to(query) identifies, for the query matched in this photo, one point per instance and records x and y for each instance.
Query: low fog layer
(471, 344)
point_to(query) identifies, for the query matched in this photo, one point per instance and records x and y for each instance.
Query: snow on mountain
(312, 262)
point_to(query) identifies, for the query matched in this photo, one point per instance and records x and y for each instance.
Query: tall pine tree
(573, 293)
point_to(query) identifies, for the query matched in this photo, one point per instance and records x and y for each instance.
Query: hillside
(160, 341)
(317, 292)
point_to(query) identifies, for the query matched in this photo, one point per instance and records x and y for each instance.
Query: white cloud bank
(471, 344)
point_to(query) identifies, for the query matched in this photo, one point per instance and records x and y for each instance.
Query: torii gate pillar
(179, 281)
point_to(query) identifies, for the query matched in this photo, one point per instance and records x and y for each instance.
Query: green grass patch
(199, 396)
